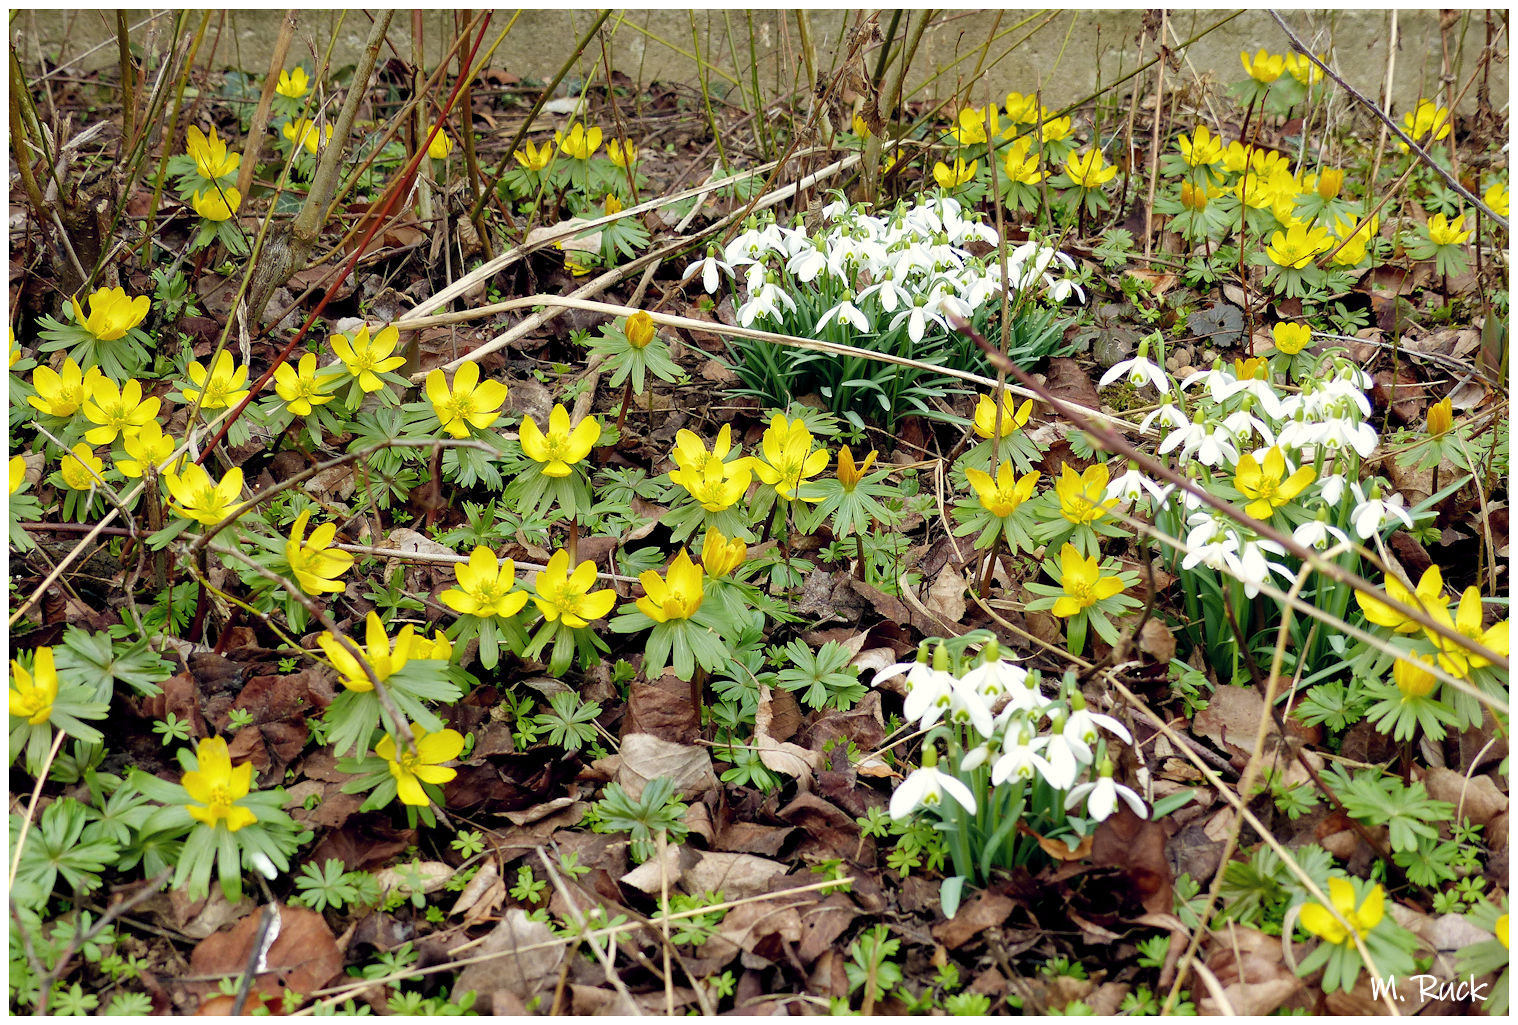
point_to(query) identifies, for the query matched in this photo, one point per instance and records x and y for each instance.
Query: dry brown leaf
(1157, 641)
(985, 910)
(645, 758)
(1249, 965)
(778, 756)
(737, 875)
(1477, 799)
(520, 970)
(946, 596)
(433, 876)
(303, 955)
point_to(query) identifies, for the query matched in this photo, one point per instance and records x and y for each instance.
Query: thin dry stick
(1154, 139)
(260, 120)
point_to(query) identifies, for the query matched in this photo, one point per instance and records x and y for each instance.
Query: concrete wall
(1069, 54)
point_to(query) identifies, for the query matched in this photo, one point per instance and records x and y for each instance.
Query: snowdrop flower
(749, 247)
(807, 263)
(890, 294)
(995, 676)
(1195, 441)
(1331, 488)
(1262, 393)
(1219, 383)
(1373, 513)
(1339, 434)
(917, 321)
(1063, 755)
(845, 312)
(1101, 796)
(966, 705)
(1167, 415)
(1241, 423)
(1132, 485)
(1210, 544)
(1139, 371)
(1249, 565)
(766, 302)
(1021, 759)
(1082, 724)
(925, 685)
(926, 788)
(1318, 535)
(708, 269)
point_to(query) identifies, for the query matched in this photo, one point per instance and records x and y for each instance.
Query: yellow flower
(561, 447)
(1262, 483)
(1296, 247)
(1358, 235)
(534, 159)
(425, 766)
(639, 330)
(719, 556)
(1329, 182)
(1441, 418)
(1496, 198)
(566, 597)
(1080, 494)
(304, 133)
(470, 402)
(1089, 170)
(1003, 495)
(1413, 679)
(1445, 232)
(146, 446)
(1266, 67)
(315, 564)
(18, 473)
(112, 314)
(222, 387)
(1425, 118)
(709, 480)
(953, 178)
(1291, 338)
(15, 350)
(116, 410)
(1202, 149)
(1456, 660)
(380, 657)
(690, 452)
(970, 127)
(1056, 129)
(1255, 367)
(1320, 921)
(293, 83)
(849, 475)
(1193, 197)
(1301, 67)
(613, 205)
(1500, 930)
(196, 497)
(367, 358)
(677, 595)
(216, 785)
(1083, 583)
(579, 143)
(299, 386)
(212, 161)
(485, 587)
(788, 459)
(440, 146)
(1022, 110)
(1012, 418)
(81, 469)
(860, 128)
(622, 153)
(217, 205)
(1021, 165)
(439, 649)
(33, 693)
(61, 394)
(1429, 597)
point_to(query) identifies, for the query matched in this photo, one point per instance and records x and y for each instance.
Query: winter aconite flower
(212, 161)
(788, 460)
(1496, 197)
(953, 177)
(215, 204)
(849, 473)
(1083, 583)
(293, 83)
(1089, 170)
(1321, 922)
(470, 402)
(1429, 596)
(1081, 494)
(578, 143)
(216, 786)
(116, 410)
(196, 497)
(111, 314)
(81, 468)
(1441, 417)
(377, 653)
(485, 587)
(532, 158)
(411, 770)
(1413, 678)
(1012, 418)
(61, 393)
(1291, 338)
(561, 447)
(1427, 118)
(567, 597)
(33, 693)
(440, 146)
(1467, 621)
(1266, 67)
(1262, 483)
(720, 556)
(314, 562)
(640, 330)
(676, 595)
(710, 480)
(299, 386)
(1021, 163)
(366, 358)
(1444, 232)
(1201, 149)
(304, 133)
(222, 387)
(17, 473)
(146, 446)
(622, 153)
(1296, 247)
(1002, 496)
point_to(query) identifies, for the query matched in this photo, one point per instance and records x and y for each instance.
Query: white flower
(1021, 760)
(1241, 423)
(1331, 488)
(993, 679)
(1355, 434)
(1249, 565)
(1131, 486)
(926, 687)
(765, 303)
(966, 705)
(1263, 393)
(1140, 370)
(1103, 797)
(708, 269)
(1082, 726)
(1371, 514)
(845, 312)
(1064, 758)
(917, 322)
(891, 296)
(1195, 441)
(807, 264)
(926, 788)
(1220, 384)
(1317, 535)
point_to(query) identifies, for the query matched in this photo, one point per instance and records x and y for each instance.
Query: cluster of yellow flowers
(218, 201)
(578, 143)
(1266, 67)
(1412, 678)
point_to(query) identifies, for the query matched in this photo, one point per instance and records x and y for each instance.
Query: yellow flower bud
(639, 330)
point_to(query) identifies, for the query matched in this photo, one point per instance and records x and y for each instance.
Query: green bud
(941, 659)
